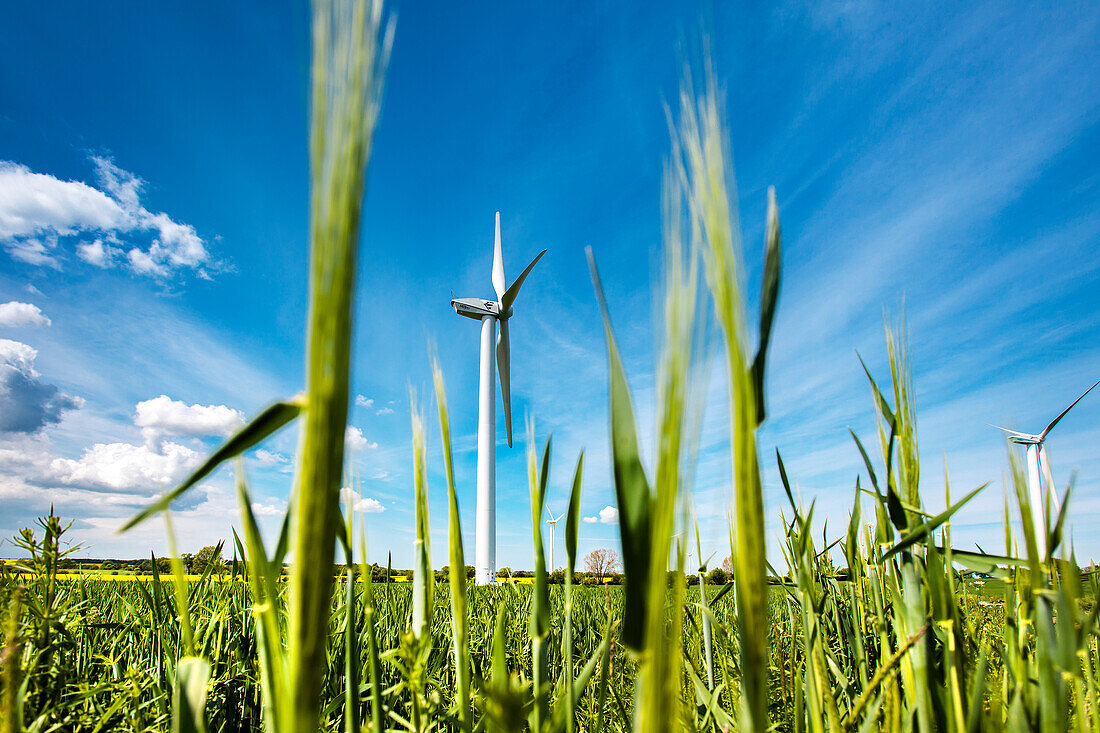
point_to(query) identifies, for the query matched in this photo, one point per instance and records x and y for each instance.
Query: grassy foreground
(875, 629)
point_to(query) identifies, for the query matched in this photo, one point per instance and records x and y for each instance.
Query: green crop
(886, 626)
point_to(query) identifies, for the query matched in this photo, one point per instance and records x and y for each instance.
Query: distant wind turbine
(490, 312)
(1037, 461)
(553, 522)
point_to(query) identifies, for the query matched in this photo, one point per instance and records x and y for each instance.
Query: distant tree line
(601, 567)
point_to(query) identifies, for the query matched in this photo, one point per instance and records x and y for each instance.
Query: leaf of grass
(260, 427)
(632, 492)
(189, 707)
(923, 529)
(769, 293)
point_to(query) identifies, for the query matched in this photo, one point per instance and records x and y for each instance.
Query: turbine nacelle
(1020, 438)
(477, 308)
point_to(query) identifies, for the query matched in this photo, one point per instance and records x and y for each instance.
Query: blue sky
(936, 161)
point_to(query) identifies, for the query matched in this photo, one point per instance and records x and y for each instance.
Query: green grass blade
(632, 490)
(769, 294)
(349, 58)
(539, 476)
(573, 516)
(925, 529)
(459, 622)
(189, 698)
(260, 427)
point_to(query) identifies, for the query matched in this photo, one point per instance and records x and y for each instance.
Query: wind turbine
(553, 522)
(1037, 461)
(490, 312)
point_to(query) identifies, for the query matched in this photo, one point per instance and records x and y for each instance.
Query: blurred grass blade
(709, 181)
(189, 705)
(262, 426)
(632, 490)
(459, 623)
(539, 477)
(348, 65)
(423, 579)
(573, 516)
(769, 293)
(880, 401)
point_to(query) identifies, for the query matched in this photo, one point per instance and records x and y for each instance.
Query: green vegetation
(896, 640)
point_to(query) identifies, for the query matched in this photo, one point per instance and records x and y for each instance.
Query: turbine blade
(503, 369)
(1055, 420)
(509, 296)
(498, 264)
(1013, 432)
(1044, 466)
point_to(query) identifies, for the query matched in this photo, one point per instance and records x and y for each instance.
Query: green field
(115, 646)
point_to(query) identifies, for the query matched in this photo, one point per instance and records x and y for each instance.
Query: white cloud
(36, 209)
(36, 203)
(607, 515)
(354, 440)
(385, 411)
(363, 504)
(28, 404)
(15, 314)
(34, 251)
(363, 401)
(165, 416)
(274, 509)
(271, 458)
(97, 253)
(138, 469)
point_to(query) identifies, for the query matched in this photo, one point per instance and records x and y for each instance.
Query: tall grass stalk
(459, 623)
(349, 58)
(707, 182)
(538, 476)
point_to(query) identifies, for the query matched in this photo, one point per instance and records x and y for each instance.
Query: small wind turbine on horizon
(1038, 470)
(553, 522)
(490, 312)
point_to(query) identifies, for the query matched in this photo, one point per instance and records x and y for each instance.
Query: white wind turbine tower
(1038, 468)
(491, 312)
(553, 522)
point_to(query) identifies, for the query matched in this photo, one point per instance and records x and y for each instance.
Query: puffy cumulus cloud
(164, 416)
(362, 504)
(36, 203)
(27, 404)
(385, 411)
(122, 467)
(14, 314)
(363, 401)
(354, 440)
(98, 253)
(607, 515)
(109, 224)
